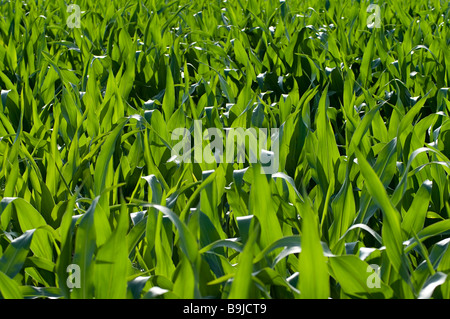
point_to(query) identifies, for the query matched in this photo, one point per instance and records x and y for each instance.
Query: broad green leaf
(29, 219)
(104, 158)
(111, 262)
(14, 257)
(85, 247)
(358, 279)
(242, 281)
(415, 217)
(264, 209)
(391, 233)
(187, 241)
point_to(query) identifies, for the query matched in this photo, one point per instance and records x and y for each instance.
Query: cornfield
(96, 201)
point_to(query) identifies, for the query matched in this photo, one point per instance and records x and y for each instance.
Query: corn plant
(97, 202)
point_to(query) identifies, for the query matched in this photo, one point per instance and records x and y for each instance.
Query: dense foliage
(88, 178)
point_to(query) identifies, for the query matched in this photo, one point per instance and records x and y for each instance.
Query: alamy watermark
(213, 152)
(73, 280)
(73, 20)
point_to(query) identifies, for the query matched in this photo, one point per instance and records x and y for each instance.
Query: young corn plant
(97, 201)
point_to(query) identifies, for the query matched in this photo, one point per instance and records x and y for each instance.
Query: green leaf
(9, 289)
(262, 207)
(242, 281)
(168, 105)
(414, 219)
(14, 257)
(29, 219)
(111, 262)
(188, 243)
(391, 233)
(358, 279)
(36, 292)
(430, 285)
(314, 278)
(101, 167)
(85, 247)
